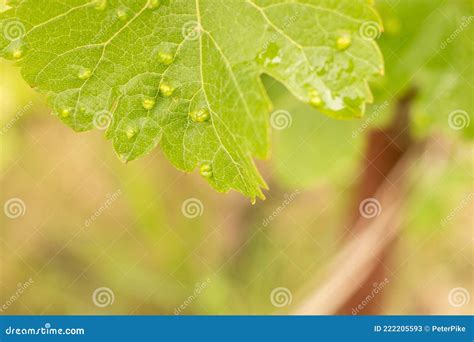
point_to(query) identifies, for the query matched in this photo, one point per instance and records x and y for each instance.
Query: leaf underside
(185, 74)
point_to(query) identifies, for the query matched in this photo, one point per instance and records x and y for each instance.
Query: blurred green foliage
(427, 45)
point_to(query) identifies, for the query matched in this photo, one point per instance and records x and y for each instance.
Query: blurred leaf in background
(427, 45)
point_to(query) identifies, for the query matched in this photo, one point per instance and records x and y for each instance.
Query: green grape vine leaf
(185, 74)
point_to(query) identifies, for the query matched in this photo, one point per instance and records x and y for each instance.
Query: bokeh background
(88, 234)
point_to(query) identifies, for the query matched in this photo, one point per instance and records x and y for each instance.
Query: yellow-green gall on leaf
(148, 103)
(84, 73)
(166, 90)
(205, 170)
(65, 113)
(315, 99)
(343, 42)
(17, 53)
(100, 5)
(165, 58)
(122, 14)
(131, 132)
(152, 4)
(200, 115)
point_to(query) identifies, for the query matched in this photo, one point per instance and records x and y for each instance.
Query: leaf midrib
(198, 16)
